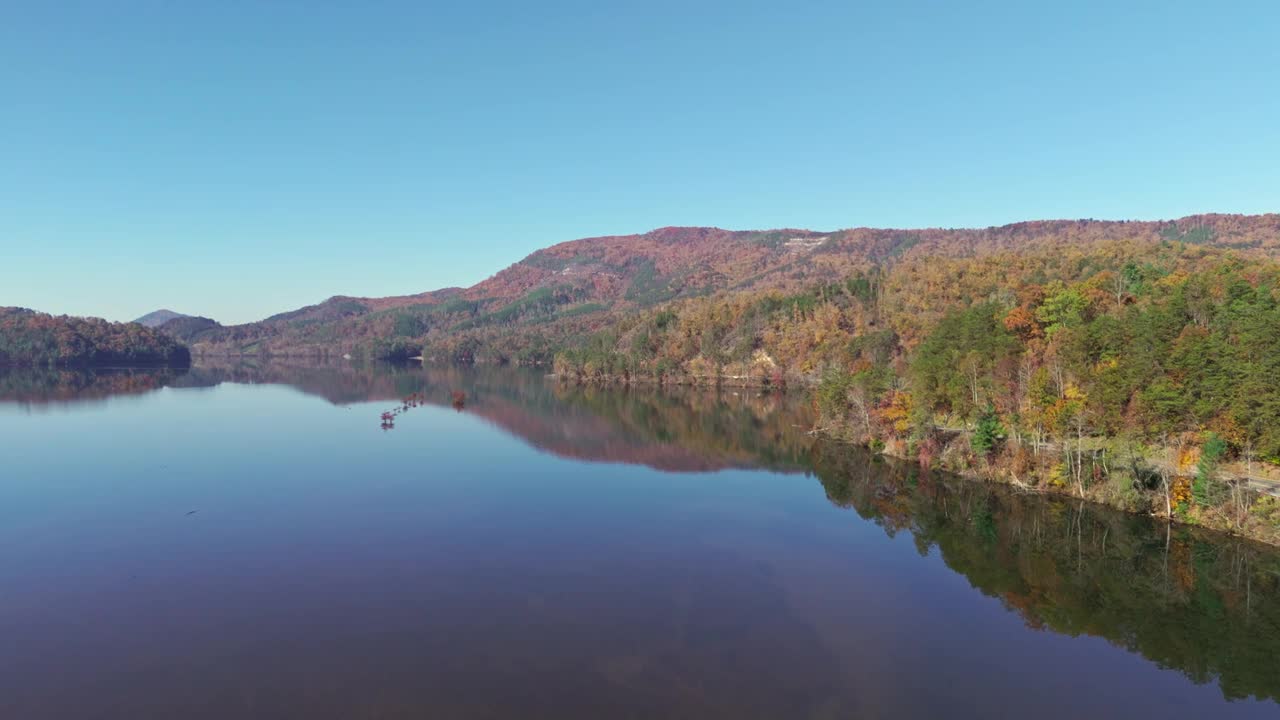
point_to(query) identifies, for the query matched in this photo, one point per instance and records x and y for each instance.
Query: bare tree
(1120, 286)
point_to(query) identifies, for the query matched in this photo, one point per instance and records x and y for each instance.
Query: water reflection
(1201, 604)
(681, 429)
(35, 388)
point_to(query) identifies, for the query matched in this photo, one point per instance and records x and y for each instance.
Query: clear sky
(236, 159)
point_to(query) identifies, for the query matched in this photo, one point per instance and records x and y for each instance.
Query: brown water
(248, 542)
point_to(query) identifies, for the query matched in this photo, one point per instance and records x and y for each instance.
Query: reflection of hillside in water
(1200, 603)
(676, 430)
(49, 387)
(680, 429)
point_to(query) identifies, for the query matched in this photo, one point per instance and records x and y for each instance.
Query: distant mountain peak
(158, 318)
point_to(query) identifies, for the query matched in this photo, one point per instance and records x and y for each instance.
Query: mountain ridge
(572, 286)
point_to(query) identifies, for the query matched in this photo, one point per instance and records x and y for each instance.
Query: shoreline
(996, 473)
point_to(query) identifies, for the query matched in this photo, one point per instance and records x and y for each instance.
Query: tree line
(1140, 375)
(32, 339)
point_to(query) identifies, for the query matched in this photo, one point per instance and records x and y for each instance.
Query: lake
(257, 542)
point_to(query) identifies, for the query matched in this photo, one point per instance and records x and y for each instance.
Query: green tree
(989, 434)
(1206, 489)
(962, 365)
(1063, 309)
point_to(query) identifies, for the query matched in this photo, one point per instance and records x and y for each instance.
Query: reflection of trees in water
(45, 386)
(686, 429)
(683, 430)
(1201, 603)
(339, 384)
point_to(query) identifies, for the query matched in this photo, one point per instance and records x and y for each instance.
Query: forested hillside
(1134, 363)
(1136, 373)
(29, 338)
(558, 295)
(187, 327)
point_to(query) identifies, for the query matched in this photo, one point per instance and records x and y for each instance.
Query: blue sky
(237, 159)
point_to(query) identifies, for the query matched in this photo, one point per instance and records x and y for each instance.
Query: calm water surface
(248, 542)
